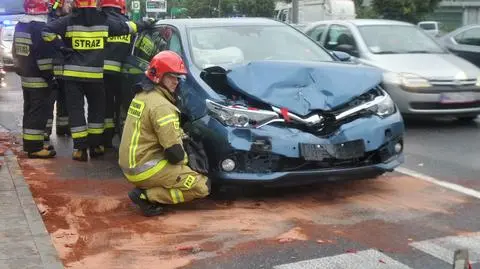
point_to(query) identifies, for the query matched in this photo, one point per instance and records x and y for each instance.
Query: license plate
(343, 151)
(457, 97)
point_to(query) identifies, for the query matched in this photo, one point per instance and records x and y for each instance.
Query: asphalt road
(396, 221)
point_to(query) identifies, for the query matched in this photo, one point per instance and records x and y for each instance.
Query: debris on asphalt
(420, 164)
(192, 249)
(354, 251)
(292, 235)
(320, 241)
(381, 261)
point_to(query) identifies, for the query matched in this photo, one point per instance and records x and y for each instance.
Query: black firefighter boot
(97, 151)
(80, 155)
(149, 209)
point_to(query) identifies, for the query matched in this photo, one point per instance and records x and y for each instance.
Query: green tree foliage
(254, 8)
(404, 10)
(364, 12)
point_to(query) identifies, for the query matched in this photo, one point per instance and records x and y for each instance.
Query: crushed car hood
(303, 87)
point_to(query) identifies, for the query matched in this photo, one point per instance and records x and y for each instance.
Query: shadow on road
(440, 123)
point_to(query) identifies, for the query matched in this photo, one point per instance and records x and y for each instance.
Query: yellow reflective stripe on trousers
(109, 124)
(32, 137)
(79, 132)
(177, 196)
(96, 128)
(148, 173)
(135, 110)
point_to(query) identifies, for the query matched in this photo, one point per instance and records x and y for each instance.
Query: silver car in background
(422, 77)
(6, 42)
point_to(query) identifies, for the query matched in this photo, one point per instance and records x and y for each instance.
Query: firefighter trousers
(175, 184)
(61, 121)
(35, 115)
(86, 135)
(113, 85)
(57, 100)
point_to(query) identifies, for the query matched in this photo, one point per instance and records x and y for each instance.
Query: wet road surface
(395, 221)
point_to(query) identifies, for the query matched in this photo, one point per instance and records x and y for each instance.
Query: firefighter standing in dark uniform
(86, 31)
(117, 49)
(58, 8)
(33, 63)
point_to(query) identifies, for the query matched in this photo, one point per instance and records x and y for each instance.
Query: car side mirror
(342, 56)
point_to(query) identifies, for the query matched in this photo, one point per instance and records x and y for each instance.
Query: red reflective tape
(284, 112)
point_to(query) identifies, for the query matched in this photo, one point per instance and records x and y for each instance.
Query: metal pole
(294, 11)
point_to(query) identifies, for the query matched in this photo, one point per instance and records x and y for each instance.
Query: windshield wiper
(420, 51)
(387, 52)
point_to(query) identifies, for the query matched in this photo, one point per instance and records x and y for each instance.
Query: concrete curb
(41, 237)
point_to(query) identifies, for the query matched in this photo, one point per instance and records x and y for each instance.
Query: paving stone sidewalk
(24, 240)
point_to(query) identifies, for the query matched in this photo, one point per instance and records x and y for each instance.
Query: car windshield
(7, 33)
(225, 45)
(393, 39)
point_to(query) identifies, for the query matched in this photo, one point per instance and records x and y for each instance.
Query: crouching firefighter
(33, 63)
(152, 154)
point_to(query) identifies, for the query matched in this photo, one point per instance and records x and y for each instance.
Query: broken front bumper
(272, 153)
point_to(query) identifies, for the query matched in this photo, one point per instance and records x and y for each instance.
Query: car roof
(363, 22)
(214, 22)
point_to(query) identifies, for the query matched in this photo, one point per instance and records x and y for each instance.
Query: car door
(340, 38)
(466, 44)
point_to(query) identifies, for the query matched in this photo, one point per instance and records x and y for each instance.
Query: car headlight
(406, 79)
(385, 108)
(238, 116)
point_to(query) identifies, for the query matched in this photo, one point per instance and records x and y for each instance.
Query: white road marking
(444, 248)
(367, 259)
(445, 184)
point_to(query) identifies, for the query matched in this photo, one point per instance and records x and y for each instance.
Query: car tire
(467, 118)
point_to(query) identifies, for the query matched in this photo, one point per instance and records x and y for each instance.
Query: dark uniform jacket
(33, 56)
(117, 47)
(86, 32)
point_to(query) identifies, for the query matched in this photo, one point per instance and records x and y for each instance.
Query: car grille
(265, 162)
(435, 106)
(450, 82)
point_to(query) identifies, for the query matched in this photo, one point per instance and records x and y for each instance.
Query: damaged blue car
(273, 106)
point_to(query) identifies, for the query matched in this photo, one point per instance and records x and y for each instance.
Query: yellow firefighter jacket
(152, 125)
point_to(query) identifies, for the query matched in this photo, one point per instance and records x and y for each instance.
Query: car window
(341, 38)
(175, 44)
(317, 32)
(395, 39)
(469, 37)
(428, 26)
(226, 45)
